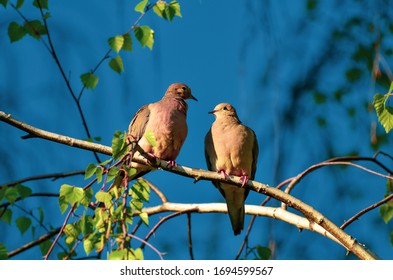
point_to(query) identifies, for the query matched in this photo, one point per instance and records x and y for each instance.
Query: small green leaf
(23, 190)
(144, 217)
(90, 170)
(104, 197)
(87, 196)
(116, 64)
(35, 28)
(4, 3)
(7, 216)
(140, 7)
(3, 252)
(159, 8)
(89, 80)
(105, 162)
(86, 224)
(118, 145)
(384, 113)
(264, 253)
(136, 204)
(11, 195)
(127, 45)
(116, 43)
(63, 205)
(23, 224)
(44, 247)
(71, 230)
(118, 255)
(112, 173)
(15, 32)
(41, 215)
(149, 135)
(176, 6)
(386, 212)
(99, 172)
(88, 246)
(19, 4)
(145, 36)
(138, 253)
(71, 194)
(141, 190)
(41, 3)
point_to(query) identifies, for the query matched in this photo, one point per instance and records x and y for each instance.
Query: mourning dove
(166, 119)
(231, 148)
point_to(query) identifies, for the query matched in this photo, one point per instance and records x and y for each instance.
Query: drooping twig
(53, 176)
(189, 235)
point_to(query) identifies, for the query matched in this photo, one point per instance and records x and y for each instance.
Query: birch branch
(199, 174)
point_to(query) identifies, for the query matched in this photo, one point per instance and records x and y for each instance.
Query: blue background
(267, 58)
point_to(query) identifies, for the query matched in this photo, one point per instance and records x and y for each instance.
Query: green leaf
(144, 217)
(138, 253)
(90, 170)
(116, 64)
(19, 4)
(176, 6)
(145, 36)
(116, 43)
(149, 135)
(63, 205)
(136, 204)
(15, 32)
(99, 172)
(127, 45)
(86, 224)
(4, 3)
(89, 80)
(353, 74)
(35, 28)
(71, 194)
(264, 253)
(11, 195)
(41, 3)
(112, 173)
(141, 190)
(3, 252)
(118, 255)
(384, 113)
(140, 7)
(23, 224)
(71, 230)
(7, 216)
(88, 246)
(23, 190)
(41, 215)
(44, 247)
(104, 197)
(88, 195)
(386, 212)
(105, 162)
(118, 143)
(159, 8)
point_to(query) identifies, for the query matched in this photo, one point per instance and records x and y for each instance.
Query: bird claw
(223, 173)
(171, 163)
(244, 179)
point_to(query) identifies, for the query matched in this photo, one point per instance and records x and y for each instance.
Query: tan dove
(231, 148)
(167, 120)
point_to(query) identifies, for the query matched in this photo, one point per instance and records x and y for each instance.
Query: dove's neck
(177, 103)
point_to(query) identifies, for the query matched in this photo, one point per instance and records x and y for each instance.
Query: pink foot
(223, 173)
(244, 179)
(171, 163)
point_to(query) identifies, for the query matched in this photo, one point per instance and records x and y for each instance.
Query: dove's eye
(225, 108)
(183, 88)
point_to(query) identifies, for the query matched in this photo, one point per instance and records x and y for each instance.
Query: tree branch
(199, 174)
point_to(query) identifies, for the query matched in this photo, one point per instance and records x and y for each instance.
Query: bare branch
(199, 174)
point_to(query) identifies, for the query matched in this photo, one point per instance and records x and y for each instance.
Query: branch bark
(309, 212)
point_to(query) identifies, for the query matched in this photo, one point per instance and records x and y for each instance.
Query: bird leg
(244, 179)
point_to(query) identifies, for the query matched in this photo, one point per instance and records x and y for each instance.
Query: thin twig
(148, 244)
(365, 210)
(54, 177)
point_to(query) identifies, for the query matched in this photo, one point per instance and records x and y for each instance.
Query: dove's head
(224, 110)
(180, 90)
